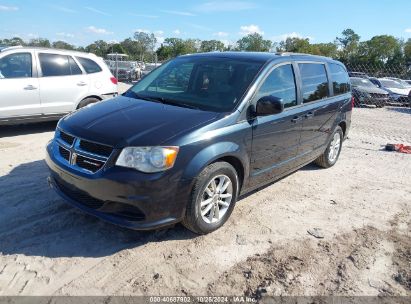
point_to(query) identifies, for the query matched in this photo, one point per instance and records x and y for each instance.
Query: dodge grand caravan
(194, 134)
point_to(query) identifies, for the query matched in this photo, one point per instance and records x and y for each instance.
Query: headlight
(148, 159)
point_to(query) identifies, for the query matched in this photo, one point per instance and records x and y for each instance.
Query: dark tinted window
(16, 66)
(209, 83)
(75, 70)
(281, 84)
(54, 65)
(89, 65)
(314, 81)
(340, 79)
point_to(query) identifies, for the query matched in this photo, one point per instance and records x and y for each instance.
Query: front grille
(67, 138)
(80, 197)
(95, 148)
(89, 163)
(64, 153)
(378, 95)
(82, 154)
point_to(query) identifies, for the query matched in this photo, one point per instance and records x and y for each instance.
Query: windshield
(362, 82)
(391, 84)
(207, 83)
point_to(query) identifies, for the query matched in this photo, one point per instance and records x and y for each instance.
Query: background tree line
(382, 50)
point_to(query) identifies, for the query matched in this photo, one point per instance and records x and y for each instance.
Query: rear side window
(314, 81)
(281, 84)
(340, 79)
(89, 65)
(16, 66)
(54, 65)
(75, 69)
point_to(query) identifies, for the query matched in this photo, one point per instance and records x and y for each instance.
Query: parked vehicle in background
(358, 74)
(126, 70)
(365, 92)
(148, 68)
(403, 82)
(398, 93)
(44, 84)
(185, 141)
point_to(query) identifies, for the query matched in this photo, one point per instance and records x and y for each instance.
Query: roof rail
(6, 48)
(299, 54)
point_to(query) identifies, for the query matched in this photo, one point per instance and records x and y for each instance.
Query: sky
(81, 22)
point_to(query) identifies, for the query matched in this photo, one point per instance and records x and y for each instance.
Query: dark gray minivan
(182, 144)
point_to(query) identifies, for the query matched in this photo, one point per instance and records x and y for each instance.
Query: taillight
(352, 102)
(114, 80)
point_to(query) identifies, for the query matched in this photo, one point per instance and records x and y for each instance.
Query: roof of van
(19, 47)
(261, 56)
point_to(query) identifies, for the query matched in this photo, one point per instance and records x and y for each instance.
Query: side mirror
(269, 105)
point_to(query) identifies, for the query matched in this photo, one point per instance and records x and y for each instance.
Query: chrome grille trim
(75, 151)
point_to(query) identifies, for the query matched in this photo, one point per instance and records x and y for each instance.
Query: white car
(39, 84)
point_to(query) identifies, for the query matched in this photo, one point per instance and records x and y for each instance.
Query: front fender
(212, 153)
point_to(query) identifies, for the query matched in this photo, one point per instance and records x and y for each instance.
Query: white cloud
(221, 34)
(31, 35)
(5, 8)
(227, 6)
(97, 11)
(65, 35)
(250, 29)
(283, 37)
(64, 9)
(177, 32)
(180, 13)
(408, 30)
(95, 30)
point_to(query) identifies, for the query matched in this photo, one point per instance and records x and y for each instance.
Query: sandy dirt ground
(361, 207)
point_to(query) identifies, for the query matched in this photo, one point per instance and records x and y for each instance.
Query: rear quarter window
(339, 78)
(90, 66)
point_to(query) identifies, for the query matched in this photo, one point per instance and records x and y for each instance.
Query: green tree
(62, 45)
(349, 42)
(145, 44)
(99, 47)
(380, 50)
(407, 51)
(12, 42)
(39, 42)
(211, 46)
(254, 43)
(173, 47)
(295, 45)
(327, 49)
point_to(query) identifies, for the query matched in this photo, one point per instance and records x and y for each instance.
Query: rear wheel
(87, 101)
(213, 198)
(331, 154)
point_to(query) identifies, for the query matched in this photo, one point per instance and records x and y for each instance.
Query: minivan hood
(124, 121)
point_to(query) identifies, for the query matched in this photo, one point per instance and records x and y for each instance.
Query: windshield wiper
(177, 103)
(162, 100)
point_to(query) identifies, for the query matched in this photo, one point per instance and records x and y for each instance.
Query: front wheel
(213, 198)
(331, 154)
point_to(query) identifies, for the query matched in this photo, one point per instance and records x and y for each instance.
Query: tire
(87, 101)
(196, 218)
(325, 160)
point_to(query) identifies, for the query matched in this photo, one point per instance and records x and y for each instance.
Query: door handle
(81, 84)
(296, 119)
(30, 87)
(309, 115)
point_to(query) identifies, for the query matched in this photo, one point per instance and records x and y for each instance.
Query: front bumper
(121, 196)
